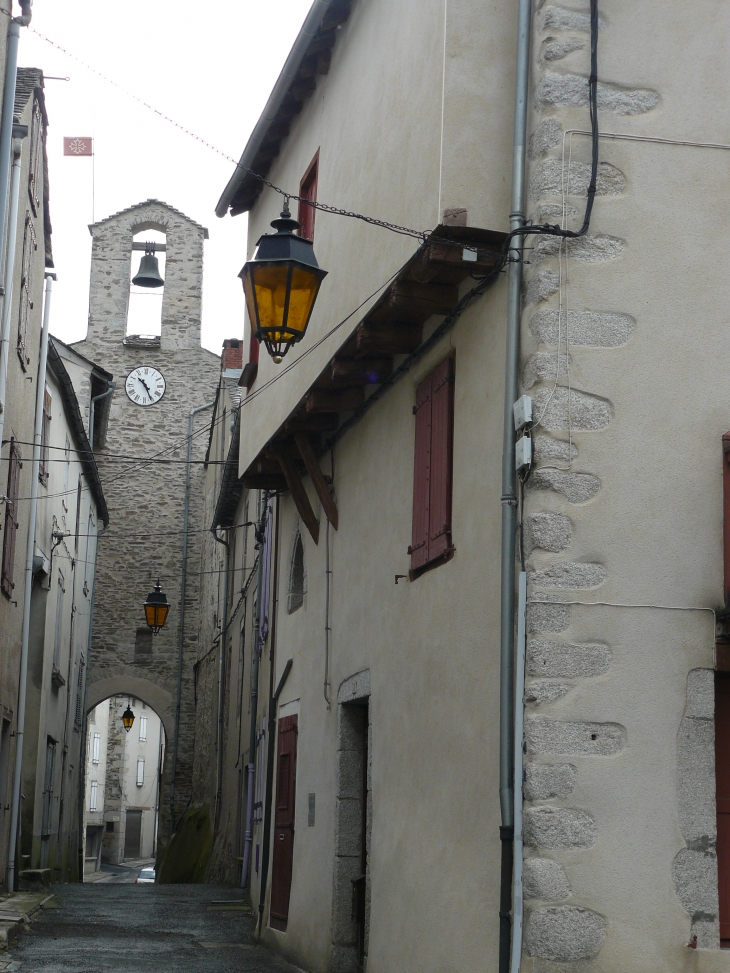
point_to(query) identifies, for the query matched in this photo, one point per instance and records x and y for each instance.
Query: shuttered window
(308, 195)
(35, 179)
(432, 469)
(26, 284)
(80, 692)
(10, 527)
(45, 437)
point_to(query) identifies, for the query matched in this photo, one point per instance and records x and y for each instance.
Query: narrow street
(143, 929)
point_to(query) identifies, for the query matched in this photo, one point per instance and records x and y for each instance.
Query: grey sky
(210, 67)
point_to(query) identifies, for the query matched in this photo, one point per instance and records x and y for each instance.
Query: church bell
(148, 274)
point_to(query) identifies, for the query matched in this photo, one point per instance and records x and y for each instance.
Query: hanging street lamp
(128, 718)
(281, 282)
(156, 608)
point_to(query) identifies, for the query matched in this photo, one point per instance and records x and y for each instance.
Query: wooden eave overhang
(427, 285)
(315, 63)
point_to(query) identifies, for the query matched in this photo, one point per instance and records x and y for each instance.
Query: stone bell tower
(142, 463)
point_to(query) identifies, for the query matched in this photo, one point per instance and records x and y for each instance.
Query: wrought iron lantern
(128, 718)
(281, 283)
(156, 608)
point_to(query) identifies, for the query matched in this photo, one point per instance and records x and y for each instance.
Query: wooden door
(722, 779)
(133, 834)
(286, 777)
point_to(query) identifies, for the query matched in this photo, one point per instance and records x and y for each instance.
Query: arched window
(144, 316)
(295, 598)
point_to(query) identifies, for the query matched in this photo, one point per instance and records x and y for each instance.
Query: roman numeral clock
(145, 385)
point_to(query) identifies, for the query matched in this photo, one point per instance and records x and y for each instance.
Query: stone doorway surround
(354, 730)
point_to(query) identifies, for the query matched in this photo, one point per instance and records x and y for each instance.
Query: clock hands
(147, 388)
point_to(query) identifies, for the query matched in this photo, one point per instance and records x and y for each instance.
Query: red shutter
(722, 783)
(283, 855)
(442, 427)
(308, 191)
(11, 518)
(421, 476)
(45, 436)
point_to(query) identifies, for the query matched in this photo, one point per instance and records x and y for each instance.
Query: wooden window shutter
(26, 283)
(35, 180)
(11, 519)
(433, 464)
(308, 194)
(45, 437)
(421, 476)
(442, 434)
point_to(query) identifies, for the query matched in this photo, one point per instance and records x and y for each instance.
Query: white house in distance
(122, 783)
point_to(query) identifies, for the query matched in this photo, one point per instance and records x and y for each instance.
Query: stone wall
(146, 499)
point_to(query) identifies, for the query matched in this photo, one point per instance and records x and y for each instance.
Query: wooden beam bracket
(306, 451)
(296, 488)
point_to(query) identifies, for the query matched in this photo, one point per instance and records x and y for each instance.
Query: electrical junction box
(523, 453)
(522, 411)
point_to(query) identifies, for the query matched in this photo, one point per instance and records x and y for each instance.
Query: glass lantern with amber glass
(156, 608)
(281, 282)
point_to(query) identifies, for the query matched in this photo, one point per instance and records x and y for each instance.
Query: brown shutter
(283, 855)
(11, 518)
(421, 477)
(45, 436)
(442, 427)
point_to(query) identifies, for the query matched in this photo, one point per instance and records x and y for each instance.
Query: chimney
(232, 354)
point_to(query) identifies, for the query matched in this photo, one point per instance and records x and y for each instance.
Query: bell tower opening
(146, 287)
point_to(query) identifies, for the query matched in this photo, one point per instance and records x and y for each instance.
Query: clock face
(145, 385)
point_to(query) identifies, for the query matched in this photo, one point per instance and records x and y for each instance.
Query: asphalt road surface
(127, 928)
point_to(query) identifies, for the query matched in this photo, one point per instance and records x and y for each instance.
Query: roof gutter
(288, 73)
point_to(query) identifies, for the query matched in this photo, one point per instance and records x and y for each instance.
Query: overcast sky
(210, 66)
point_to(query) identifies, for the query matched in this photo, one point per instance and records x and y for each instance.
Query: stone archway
(128, 684)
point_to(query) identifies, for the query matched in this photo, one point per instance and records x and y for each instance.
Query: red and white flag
(77, 146)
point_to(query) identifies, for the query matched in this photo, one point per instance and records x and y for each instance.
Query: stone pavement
(128, 928)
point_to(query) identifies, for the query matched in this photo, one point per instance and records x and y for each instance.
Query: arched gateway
(160, 382)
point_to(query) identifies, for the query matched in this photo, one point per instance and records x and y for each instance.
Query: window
(110, 827)
(35, 180)
(142, 728)
(308, 191)
(61, 591)
(295, 598)
(26, 289)
(11, 518)
(140, 771)
(66, 470)
(143, 645)
(93, 797)
(432, 469)
(45, 437)
(96, 748)
(79, 490)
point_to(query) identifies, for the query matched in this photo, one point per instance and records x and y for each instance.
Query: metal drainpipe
(84, 715)
(9, 274)
(517, 897)
(183, 585)
(255, 660)
(509, 483)
(28, 584)
(221, 681)
(8, 109)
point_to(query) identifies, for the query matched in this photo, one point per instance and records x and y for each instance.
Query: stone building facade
(143, 470)
(622, 336)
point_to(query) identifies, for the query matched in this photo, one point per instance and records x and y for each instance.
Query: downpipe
(221, 683)
(28, 586)
(509, 486)
(254, 695)
(181, 629)
(9, 275)
(517, 894)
